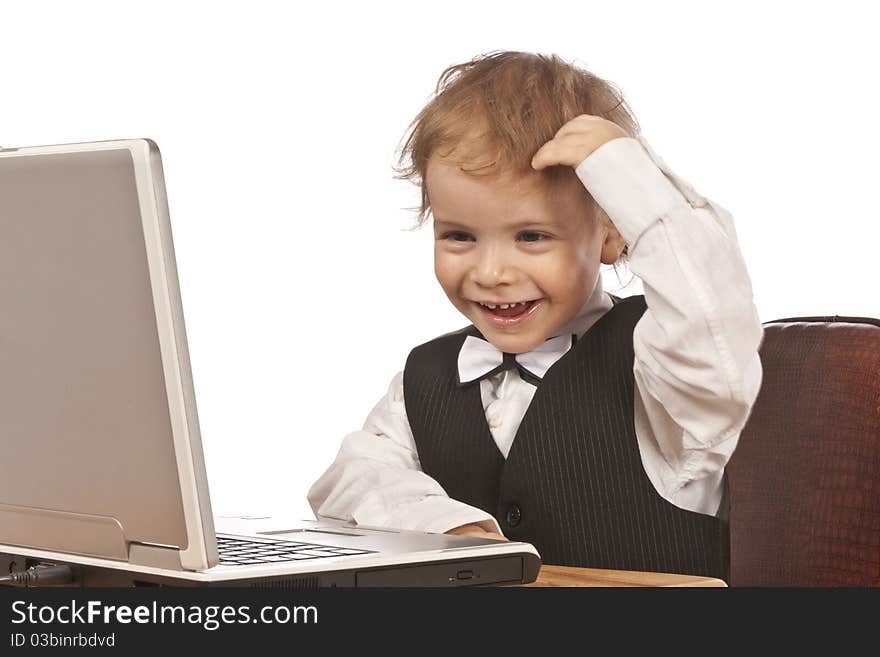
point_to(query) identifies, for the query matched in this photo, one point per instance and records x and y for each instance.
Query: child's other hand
(476, 530)
(576, 140)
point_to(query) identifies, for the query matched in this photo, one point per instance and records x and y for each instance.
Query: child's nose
(492, 267)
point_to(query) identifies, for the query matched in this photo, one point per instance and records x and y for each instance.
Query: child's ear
(614, 243)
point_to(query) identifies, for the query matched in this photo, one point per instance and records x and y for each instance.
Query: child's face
(508, 240)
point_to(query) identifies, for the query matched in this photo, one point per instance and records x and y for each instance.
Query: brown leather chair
(805, 477)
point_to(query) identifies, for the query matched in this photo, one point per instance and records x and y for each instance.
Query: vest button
(514, 515)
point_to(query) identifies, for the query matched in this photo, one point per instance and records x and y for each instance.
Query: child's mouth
(509, 316)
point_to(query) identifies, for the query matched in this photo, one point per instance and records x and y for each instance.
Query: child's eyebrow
(450, 224)
(520, 224)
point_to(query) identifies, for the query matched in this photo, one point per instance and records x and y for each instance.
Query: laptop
(103, 468)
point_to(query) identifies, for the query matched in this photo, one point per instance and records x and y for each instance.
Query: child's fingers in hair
(568, 150)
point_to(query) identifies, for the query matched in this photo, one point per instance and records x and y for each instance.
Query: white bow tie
(479, 359)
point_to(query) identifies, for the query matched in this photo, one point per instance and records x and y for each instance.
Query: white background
(279, 123)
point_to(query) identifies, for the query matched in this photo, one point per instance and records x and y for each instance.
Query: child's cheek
(440, 269)
(446, 274)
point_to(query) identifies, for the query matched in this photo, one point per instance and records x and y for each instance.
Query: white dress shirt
(697, 370)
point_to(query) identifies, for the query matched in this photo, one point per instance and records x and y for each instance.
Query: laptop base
(501, 570)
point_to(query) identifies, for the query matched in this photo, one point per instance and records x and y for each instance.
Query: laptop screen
(86, 432)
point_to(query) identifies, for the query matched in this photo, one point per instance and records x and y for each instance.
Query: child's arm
(696, 368)
(376, 479)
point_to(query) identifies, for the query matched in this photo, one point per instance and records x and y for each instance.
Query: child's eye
(528, 236)
(456, 236)
(532, 236)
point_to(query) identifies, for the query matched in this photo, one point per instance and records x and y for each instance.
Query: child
(594, 427)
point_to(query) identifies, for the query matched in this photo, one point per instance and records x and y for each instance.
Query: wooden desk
(568, 576)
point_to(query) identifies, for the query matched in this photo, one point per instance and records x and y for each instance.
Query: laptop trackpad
(292, 534)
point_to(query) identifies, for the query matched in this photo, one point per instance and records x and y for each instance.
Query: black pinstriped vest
(573, 483)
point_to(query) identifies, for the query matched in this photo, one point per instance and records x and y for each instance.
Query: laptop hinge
(155, 556)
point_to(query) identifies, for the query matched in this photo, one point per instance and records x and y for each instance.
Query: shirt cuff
(437, 514)
(627, 180)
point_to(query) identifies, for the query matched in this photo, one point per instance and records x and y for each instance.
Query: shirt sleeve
(377, 480)
(697, 369)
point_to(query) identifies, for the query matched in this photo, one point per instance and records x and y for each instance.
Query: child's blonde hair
(494, 112)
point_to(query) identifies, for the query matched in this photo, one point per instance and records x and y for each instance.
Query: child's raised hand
(575, 140)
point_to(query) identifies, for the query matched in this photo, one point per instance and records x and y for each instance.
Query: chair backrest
(805, 477)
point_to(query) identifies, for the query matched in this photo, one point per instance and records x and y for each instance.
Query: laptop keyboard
(238, 551)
